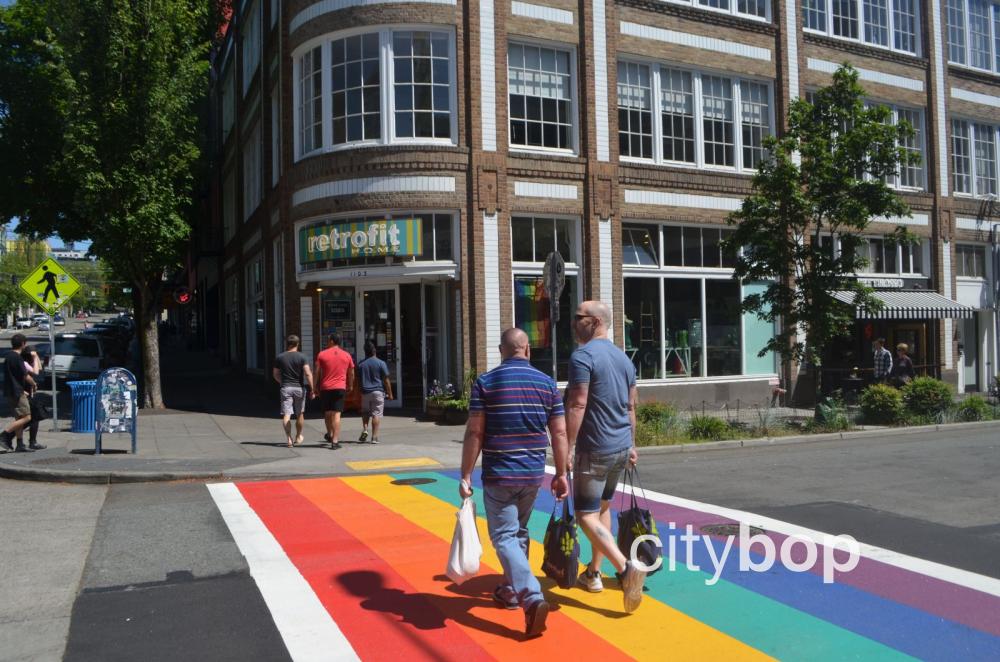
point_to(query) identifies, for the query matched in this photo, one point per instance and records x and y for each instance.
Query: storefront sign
(341, 241)
(882, 283)
(338, 309)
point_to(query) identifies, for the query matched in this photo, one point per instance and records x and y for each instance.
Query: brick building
(469, 139)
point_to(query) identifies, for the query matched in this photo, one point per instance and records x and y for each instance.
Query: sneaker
(364, 437)
(500, 596)
(36, 446)
(334, 445)
(327, 437)
(591, 582)
(374, 440)
(631, 583)
(5, 441)
(534, 618)
(21, 448)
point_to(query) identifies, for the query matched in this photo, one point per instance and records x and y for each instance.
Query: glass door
(378, 321)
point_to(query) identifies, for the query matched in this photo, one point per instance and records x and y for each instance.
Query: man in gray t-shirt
(291, 370)
(600, 424)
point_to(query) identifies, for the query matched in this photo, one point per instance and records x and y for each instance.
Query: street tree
(825, 177)
(120, 94)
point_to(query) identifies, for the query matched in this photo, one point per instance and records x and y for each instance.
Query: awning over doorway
(910, 305)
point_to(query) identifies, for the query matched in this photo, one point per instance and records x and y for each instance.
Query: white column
(607, 279)
(491, 284)
(601, 81)
(306, 326)
(487, 75)
(949, 324)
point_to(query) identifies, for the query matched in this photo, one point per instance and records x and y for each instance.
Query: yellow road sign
(50, 286)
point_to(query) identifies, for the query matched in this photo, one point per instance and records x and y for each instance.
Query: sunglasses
(579, 317)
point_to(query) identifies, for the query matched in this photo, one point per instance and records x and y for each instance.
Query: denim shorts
(595, 477)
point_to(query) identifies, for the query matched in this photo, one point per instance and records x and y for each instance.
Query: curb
(14, 472)
(811, 438)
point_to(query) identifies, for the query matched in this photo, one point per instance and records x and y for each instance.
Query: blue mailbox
(117, 405)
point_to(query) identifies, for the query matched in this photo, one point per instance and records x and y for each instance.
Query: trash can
(83, 404)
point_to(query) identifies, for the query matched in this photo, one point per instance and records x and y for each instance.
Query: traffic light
(182, 295)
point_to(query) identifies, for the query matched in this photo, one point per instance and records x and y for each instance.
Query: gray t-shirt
(291, 365)
(609, 374)
(372, 371)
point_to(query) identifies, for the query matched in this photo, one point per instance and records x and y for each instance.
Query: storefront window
(722, 328)
(757, 332)
(682, 303)
(642, 326)
(638, 247)
(532, 239)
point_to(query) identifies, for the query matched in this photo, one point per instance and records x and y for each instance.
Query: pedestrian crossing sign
(50, 286)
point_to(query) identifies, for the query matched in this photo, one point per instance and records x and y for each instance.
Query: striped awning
(910, 305)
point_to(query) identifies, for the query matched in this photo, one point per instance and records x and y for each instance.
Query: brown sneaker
(534, 618)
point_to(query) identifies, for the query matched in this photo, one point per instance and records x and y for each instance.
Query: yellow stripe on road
(655, 632)
(400, 463)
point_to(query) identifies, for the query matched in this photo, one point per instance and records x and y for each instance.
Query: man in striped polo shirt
(509, 410)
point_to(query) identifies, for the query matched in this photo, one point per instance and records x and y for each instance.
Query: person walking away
(510, 408)
(600, 423)
(15, 381)
(292, 372)
(375, 388)
(33, 366)
(334, 378)
(881, 360)
(902, 370)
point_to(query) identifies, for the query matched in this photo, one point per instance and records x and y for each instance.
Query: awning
(910, 305)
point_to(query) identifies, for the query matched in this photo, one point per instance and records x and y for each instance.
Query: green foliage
(658, 416)
(882, 404)
(459, 404)
(708, 428)
(926, 396)
(974, 408)
(824, 176)
(832, 416)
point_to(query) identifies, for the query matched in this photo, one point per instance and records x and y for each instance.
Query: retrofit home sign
(338, 241)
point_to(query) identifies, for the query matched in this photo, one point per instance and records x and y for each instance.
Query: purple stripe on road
(935, 596)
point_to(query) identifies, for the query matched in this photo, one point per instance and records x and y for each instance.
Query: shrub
(926, 396)
(659, 416)
(974, 408)
(832, 416)
(708, 427)
(882, 404)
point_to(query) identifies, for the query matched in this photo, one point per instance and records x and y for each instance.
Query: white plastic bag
(466, 549)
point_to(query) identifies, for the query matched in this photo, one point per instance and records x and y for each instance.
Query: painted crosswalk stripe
(306, 627)
(400, 463)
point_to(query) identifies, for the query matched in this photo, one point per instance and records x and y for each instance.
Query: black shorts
(332, 400)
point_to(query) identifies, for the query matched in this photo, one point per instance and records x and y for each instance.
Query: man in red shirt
(335, 377)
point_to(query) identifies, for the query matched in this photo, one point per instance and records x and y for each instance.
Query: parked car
(38, 319)
(78, 356)
(58, 320)
(23, 323)
(44, 326)
(81, 315)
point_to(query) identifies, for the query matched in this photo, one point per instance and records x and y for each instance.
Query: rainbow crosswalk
(352, 568)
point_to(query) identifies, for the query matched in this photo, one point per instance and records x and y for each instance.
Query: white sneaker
(591, 582)
(631, 583)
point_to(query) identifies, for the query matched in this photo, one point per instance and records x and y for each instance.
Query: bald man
(510, 409)
(600, 424)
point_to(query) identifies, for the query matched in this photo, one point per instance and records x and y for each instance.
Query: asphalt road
(152, 572)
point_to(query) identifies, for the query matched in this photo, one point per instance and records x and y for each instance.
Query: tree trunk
(147, 326)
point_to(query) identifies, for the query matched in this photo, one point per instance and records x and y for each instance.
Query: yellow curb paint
(650, 633)
(401, 463)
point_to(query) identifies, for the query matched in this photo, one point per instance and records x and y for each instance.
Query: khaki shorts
(373, 404)
(292, 398)
(20, 406)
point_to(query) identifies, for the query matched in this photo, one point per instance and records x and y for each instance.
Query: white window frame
(387, 107)
(917, 43)
(994, 37)
(981, 250)
(923, 247)
(574, 100)
(663, 274)
(250, 43)
(971, 126)
(699, 126)
(252, 172)
(732, 10)
(894, 109)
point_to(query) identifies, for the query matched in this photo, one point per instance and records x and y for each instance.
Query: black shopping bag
(562, 549)
(634, 522)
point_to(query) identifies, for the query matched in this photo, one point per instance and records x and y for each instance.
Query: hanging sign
(341, 241)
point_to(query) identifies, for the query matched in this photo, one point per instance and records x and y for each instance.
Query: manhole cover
(56, 460)
(732, 529)
(414, 481)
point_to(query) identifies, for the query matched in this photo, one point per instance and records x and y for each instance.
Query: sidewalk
(222, 425)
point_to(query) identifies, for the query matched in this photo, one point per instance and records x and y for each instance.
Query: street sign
(555, 280)
(50, 286)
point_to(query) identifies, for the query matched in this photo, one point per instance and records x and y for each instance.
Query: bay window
(703, 120)
(385, 86)
(974, 33)
(974, 157)
(888, 24)
(532, 239)
(540, 82)
(682, 312)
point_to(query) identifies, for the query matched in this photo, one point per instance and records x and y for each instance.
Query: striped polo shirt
(518, 402)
